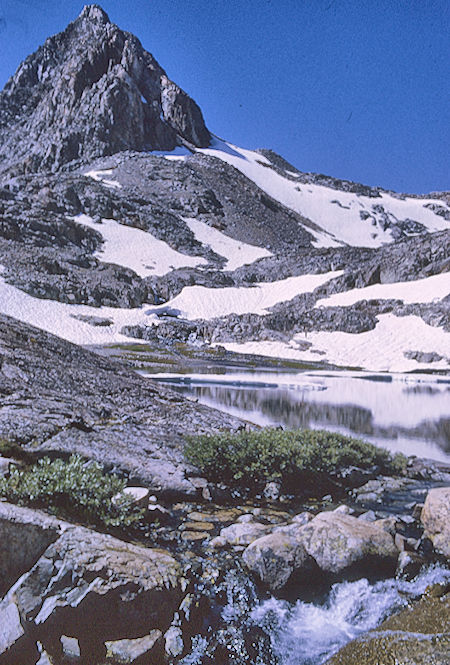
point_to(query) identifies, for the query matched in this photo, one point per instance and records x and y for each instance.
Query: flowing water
(306, 633)
(404, 412)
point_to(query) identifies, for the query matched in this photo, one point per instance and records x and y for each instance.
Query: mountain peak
(91, 91)
(94, 13)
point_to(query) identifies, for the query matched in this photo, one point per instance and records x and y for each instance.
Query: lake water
(402, 412)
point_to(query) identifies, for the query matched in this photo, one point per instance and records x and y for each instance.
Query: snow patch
(200, 302)
(237, 253)
(427, 290)
(136, 249)
(99, 176)
(58, 318)
(380, 350)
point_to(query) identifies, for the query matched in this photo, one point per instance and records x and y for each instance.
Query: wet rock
(339, 542)
(435, 518)
(409, 564)
(273, 558)
(239, 534)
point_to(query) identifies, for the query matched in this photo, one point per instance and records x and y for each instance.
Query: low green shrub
(75, 487)
(256, 457)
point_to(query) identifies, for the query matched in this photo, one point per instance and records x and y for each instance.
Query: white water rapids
(304, 633)
(308, 634)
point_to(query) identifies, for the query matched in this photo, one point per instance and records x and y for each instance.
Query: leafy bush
(253, 458)
(74, 487)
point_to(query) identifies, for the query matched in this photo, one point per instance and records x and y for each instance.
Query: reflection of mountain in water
(292, 409)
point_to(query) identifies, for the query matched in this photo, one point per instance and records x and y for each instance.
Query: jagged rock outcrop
(86, 586)
(90, 91)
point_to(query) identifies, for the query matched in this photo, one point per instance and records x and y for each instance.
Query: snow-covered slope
(137, 249)
(237, 253)
(200, 302)
(382, 349)
(62, 319)
(343, 217)
(428, 290)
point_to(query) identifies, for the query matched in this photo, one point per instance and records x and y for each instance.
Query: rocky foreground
(72, 594)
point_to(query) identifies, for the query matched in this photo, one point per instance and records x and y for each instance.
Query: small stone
(407, 519)
(174, 644)
(4, 466)
(200, 517)
(345, 510)
(198, 526)
(417, 510)
(198, 483)
(368, 516)
(245, 519)
(272, 491)
(399, 541)
(70, 646)
(138, 495)
(206, 494)
(193, 535)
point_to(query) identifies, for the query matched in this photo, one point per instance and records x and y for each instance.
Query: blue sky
(357, 89)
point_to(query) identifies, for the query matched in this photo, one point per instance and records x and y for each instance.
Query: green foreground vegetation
(254, 458)
(74, 488)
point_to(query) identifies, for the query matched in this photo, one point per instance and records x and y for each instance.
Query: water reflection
(403, 413)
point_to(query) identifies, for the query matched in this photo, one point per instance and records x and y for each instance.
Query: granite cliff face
(91, 91)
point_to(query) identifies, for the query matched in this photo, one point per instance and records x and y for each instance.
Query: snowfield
(200, 302)
(58, 318)
(336, 212)
(427, 290)
(137, 249)
(381, 349)
(237, 253)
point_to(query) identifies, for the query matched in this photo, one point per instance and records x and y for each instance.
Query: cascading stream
(305, 633)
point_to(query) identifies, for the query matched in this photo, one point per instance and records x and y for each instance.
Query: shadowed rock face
(91, 91)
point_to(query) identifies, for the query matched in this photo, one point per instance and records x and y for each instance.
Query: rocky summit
(88, 92)
(139, 525)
